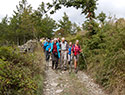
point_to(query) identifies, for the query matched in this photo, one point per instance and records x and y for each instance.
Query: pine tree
(65, 24)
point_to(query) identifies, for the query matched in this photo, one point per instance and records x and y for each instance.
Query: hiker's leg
(68, 59)
(46, 53)
(71, 62)
(76, 67)
(52, 61)
(77, 60)
(48, 57)
(59, 63)
(62, 56)
(56, 65)
(52, 64)
(65, 58)
(75, 63)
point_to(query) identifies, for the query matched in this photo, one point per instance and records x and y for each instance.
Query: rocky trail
(62, 83)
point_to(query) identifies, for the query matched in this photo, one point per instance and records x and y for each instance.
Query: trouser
(54, 64)
(47, 53)
(63, 58)
(70, 57)
(70, 60)
(55, 60)
(59, 61)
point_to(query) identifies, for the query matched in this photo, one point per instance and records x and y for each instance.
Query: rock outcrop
(29, 46)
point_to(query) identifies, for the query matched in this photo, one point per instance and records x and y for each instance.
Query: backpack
(73, 48)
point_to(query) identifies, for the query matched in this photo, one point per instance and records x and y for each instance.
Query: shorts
(70, 57)
(76, 57)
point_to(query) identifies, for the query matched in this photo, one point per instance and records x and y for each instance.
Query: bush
(105, 54)
(18, 72)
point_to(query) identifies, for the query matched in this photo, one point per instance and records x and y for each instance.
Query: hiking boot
(76, 70)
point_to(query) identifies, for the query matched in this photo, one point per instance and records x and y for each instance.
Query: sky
(110, 7)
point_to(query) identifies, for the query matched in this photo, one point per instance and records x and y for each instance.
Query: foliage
(65, 24)
(92, 26)
(88, 6)
(66, 27)
(4, 29)
(105, 55)
(18, 73)
(101, 17)
(103, 46)
(26, 24)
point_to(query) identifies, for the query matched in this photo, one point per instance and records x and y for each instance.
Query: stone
(29, 46)
(59, 91)
(54, 84)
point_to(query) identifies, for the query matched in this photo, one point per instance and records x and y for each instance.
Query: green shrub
(18, 72)
(105, 52)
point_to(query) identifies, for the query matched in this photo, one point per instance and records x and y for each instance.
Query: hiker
(42, 42)
(70, 56)
(64, 48)
(47, 50)
(45, 44)
(76, 50)
(50, 49)
(58, 40)
(55, 48)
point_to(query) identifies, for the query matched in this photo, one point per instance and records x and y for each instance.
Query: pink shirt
(76, 50)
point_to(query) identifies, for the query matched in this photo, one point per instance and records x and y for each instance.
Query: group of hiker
(61, 52)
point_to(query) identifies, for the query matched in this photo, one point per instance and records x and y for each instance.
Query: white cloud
(115, 7)
(7, 7)
(74, 15)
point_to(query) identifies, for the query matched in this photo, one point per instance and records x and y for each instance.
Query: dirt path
(93, 88)
(62, 83)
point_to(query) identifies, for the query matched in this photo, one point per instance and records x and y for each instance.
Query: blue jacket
(45, 44)
(70, 49)
(48, 46)
(58, 47)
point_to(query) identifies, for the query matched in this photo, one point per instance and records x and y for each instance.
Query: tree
(48, 25)
(65, 24)
(75, 28)
(88, 6)
(4, 30)
(101, 17)
(44, 26)
(92, 26)
(21, 23)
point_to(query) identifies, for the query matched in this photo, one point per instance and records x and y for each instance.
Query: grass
(40, 77)
(76, 86)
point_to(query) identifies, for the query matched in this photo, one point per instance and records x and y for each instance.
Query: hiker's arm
(67, 46)
(80, 50)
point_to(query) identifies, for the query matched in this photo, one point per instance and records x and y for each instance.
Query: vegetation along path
(62, 83)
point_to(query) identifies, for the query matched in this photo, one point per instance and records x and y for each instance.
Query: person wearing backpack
(55, 50)
(64, 48)
(45, 44)
(76, 50)
(70, 56)
(48, 46)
